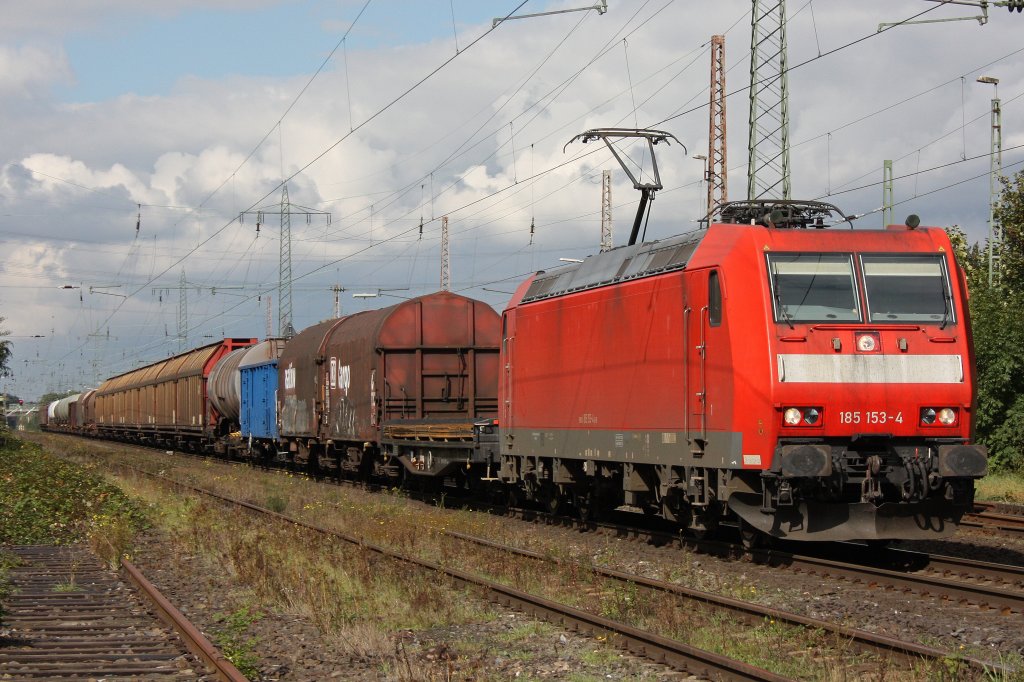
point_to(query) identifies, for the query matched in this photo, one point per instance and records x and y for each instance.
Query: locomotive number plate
(874, 417)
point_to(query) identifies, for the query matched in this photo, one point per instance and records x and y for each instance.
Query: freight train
(803, 381)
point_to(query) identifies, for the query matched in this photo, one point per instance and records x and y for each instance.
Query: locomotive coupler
(785, 494)
(871, 487)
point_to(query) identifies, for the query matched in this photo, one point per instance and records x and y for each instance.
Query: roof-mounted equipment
(647, 189)
(780, 213)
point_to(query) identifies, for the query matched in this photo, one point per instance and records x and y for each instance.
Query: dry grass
(352, 591)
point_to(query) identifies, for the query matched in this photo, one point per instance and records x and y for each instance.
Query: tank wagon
(59, 414)
(165, 403)
(816, 384)
(407, 388)
(224, 387)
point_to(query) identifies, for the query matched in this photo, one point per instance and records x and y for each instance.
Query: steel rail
(1005, 601)
(70, 616)
(862, 640)
(649, 645)
(1000, 517)
(196, 642)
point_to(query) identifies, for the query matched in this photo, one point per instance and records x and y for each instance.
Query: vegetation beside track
(1001, 487)
(365, 600)
(47, 500)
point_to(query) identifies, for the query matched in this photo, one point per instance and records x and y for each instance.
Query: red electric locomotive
(812, 383)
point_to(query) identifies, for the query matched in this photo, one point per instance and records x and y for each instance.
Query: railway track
(863, 641)
(68, 617)
(676, 654)
(1006, 519)
(967, 582)
(697, 662)
(946, 579)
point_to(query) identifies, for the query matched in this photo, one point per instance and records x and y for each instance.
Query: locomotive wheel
(750, 537)
(704, 524)
(552, 499)
(585, 505)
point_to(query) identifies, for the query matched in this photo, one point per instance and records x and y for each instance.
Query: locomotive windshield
(813, 287)
(907, 288)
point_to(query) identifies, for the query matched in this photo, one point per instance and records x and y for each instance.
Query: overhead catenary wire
(516, 177)
(319, 156)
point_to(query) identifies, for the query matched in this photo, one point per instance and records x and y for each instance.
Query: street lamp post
(700, 190)
(995, 232)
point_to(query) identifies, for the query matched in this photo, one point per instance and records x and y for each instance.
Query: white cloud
(463, 144)
(30, 70)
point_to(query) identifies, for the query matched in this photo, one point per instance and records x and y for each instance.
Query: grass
(1001, 487)
(7, 562)
(349, 590)
(66, 586)
(46, 500)
(233, 639)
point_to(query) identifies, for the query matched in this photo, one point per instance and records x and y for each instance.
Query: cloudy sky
(136, 134)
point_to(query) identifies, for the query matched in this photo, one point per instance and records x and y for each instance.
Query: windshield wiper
(946, 301)
(778, 298)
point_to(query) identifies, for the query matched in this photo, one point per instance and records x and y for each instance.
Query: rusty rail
(862, 640)
(196, 642)
(72, 618)
(655, 647)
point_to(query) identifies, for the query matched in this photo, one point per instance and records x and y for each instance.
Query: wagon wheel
(513, 497)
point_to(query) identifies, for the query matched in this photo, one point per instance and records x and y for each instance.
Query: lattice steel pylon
(768, 146)
(717, 168)
(284, 284)
(285, 210)
(446, 284)
(607, 242)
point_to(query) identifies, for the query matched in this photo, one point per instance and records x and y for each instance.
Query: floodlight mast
(647, 189)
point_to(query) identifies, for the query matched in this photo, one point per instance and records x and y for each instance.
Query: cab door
(702, 316)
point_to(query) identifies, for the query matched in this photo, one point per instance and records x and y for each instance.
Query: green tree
(996, 315)
(5, 353)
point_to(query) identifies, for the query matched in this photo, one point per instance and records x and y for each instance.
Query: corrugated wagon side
(405, 385)
(166, 402)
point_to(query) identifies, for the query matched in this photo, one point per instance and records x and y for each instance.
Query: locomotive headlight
(866, 343)
(792, 416)
(947, 416)
(927, 415)
(811, 416)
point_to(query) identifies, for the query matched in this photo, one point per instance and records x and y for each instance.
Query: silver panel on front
(871, 369)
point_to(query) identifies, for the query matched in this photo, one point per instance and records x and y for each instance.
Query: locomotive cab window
(907, 288)
(813, 287)
(714, 299)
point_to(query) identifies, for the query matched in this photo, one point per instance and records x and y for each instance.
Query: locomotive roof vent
(781, 213)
